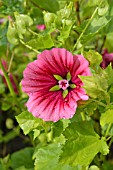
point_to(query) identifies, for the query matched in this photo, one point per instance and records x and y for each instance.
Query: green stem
(8, 80)
(29, 46)
(107, 131)
(10, 63)
(104, 40)
(83, 116)
(111, 140)
(34, 33)
(87, 25)
(100, 103)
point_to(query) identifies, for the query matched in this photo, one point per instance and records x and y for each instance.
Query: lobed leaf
(106, 117)
(94, 58)
(94, 86)
(12, 34)
(47, 158)
(82, 144)
(42, 42)
(23, 158)
(57, 128)
(22, 22)
(103, 8)
(50, 5)
(27, 122)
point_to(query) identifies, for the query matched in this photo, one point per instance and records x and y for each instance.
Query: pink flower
(53, 85)
(41, 27)
(107, 58)
(2, 20)
(10, 76)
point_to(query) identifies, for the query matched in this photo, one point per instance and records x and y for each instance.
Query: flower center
(63, 84)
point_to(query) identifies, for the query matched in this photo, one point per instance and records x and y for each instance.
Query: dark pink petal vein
(53, 85)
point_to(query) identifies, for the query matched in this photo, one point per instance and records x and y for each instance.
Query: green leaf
(42, 42)
(80, 28)
(49, 18)
(82, 144)
(94, 86)
(3, 34)
(57, 128)
(5, 106)
(47, 158)
(8, 8)
(5, 162)
(1, 167)
(108, 29)
(104, 147)
(27, 122)
(22, 168)
(10, 135)
(64, 33)
(103, 8)
(22, 22)
(23, 158)
(91, 107)
(65, 93)
(37, 14)
(12, 34)
(107, 165)
(92, 3)
(97, 24)
(94, 58)
(2, 88)
(36, 133)
(58, 77)
(54, 88)
(106, 117)
(66, 11)
(90, 86)
(93, 167)
(109, 73)
(49, 5)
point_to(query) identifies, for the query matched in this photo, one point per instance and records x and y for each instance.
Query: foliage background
(85, 141)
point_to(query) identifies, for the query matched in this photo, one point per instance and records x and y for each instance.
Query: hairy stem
(8, 81)
(12, 56)
(87, 25)
(102, 44)
(34, 33)
(83, 116)
(29, 46)
(108, 129)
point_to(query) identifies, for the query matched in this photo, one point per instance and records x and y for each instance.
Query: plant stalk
(108, 129)
(7, 80)
(29, 46)
(87, 25)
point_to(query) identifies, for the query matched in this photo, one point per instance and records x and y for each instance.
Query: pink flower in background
(41, 27)
(53, 85)
(2, 20)
(107, 58)
(10, 76)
